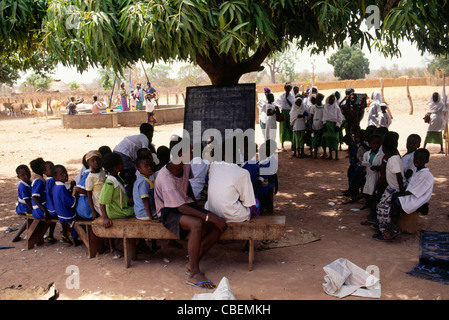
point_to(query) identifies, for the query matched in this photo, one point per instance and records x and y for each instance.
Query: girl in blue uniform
(23, 206)
(38, 195)
(49, 184)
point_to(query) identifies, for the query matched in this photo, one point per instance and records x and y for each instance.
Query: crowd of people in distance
(195, 197)
(139, 99)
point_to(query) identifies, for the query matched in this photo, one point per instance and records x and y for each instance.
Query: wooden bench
(258, 228)
(36, 229)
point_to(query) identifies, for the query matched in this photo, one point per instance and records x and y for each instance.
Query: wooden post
(112, 92)
(409, 96)
(168, 97)
(383, 97)
(382, 89)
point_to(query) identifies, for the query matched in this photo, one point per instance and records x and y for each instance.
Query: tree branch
(388, 6)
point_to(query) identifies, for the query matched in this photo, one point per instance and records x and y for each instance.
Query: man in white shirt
(128, 147)
(230, 192)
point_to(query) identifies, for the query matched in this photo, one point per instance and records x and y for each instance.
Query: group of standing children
(304, 119)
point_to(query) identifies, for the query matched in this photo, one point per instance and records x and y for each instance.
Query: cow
(39, 113)
(14, 108)
(57, 105)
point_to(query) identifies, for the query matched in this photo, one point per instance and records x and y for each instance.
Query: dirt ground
(291, 273)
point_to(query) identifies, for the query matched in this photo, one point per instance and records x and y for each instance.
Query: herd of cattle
(16, 109)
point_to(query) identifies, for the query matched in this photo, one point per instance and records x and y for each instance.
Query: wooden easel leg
(251, 254)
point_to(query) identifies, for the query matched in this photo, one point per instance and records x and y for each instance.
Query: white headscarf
(296, 110)
(332, 112)
(436, 106)
(377, 97)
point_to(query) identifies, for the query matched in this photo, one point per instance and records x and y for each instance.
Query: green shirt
(113, 196)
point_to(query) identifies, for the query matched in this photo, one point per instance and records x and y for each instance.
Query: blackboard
(219, 107)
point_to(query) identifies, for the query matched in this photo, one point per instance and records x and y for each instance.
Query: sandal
(391, 233)
(65, 239)
(383, 238)
(206, 284)
(347, 200)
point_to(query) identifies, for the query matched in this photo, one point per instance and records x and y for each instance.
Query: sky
(411, 58)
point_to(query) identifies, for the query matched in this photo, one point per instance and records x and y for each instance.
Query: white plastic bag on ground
(344, 278)
(223, 292)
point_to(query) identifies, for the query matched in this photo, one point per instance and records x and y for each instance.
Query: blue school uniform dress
(49, 185)
(38, 190)
(253, 168)
(143, 188)
(82, 206)
(64, 203)
(23, 193)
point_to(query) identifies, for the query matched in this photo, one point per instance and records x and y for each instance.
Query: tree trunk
(224, 71)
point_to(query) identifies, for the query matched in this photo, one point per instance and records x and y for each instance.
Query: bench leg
(91, 241)
(251, 254)
(82, 234)
(129, 249)
(96, 244)
(35, 232)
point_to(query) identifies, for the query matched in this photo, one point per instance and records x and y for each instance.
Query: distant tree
(74, 85)
(349, 63)
(438, 63)
(159, 76)
(191, 75)
(392, 72)
(410, 72)
(37, 81)
(282, 64)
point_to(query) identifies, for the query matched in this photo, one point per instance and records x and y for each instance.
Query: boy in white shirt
(230, 192)
(420, 187)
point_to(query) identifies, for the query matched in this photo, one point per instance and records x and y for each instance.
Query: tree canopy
(349, 63)
(225, 38)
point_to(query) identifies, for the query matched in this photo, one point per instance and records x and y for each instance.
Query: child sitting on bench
(64, 203)
(419, 189)
(143, 195)
(23, 206)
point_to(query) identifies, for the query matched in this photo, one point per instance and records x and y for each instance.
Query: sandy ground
(291, 273)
